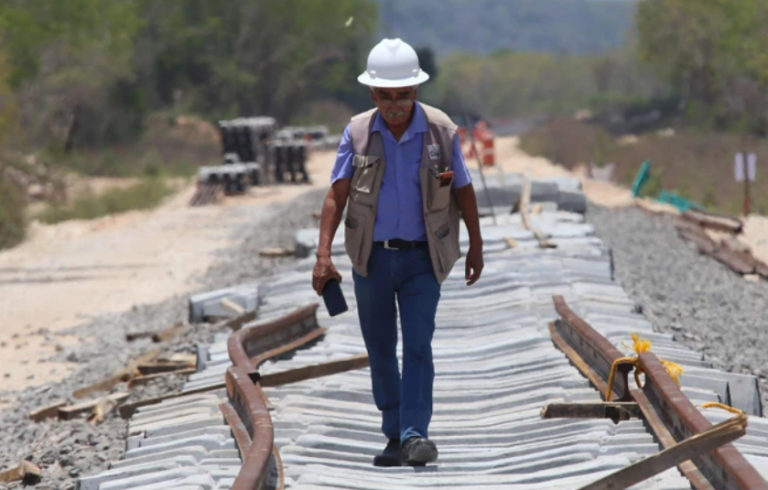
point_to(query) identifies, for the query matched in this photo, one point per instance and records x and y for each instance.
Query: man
(401, 169)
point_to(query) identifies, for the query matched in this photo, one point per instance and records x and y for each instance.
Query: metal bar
(615, 411)
(248, 401)
(725, 467)
(703, 442)
(596, 350)
(668, 411)
(314, 371)
(302, 341)
(255, 340)
(665, 437)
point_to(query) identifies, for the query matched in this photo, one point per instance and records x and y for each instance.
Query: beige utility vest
(441, 215)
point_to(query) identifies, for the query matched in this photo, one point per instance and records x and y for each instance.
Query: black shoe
(418, 451)
(390, 456)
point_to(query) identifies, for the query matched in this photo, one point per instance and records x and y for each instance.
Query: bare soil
(67, 273)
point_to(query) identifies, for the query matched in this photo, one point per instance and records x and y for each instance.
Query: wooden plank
(50, 410)
(101, 410)
(170, 332)
(109, 383)
(161, 367)
(127, 410)
(232, 306)
(29, 473)
(120, 376)
(274, 252)
(525, 199)
(130, 337)
(71, 411)
(187, 358)
(142, 380)
(701, 443)
(615, 411)
(235, 323)
(165, 334)
(314, 371)
(730, 224)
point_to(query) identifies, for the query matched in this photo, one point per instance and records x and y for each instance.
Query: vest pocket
(364, 177)
(446, 243)
(354, 232)
(438, 192)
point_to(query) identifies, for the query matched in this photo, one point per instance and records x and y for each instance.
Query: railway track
(260, 415)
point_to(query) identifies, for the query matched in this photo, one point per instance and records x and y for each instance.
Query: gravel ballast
(707, 307)
(66, 450)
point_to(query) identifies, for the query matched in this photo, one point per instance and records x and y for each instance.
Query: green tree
(267, 57)
(66, 60)
(7, 101)
(715, 55)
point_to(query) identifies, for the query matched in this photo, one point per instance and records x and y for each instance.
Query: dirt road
(66, 273)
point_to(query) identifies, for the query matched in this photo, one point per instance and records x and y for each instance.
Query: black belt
(398, 244)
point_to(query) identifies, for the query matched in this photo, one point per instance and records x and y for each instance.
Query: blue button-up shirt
(399, 212)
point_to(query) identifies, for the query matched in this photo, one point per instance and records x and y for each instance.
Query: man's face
(394, 104)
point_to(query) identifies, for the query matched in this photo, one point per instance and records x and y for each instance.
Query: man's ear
(374, 99)
(415, 92)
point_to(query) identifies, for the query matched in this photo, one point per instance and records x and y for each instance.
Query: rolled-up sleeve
(461, 175)
(343, 169)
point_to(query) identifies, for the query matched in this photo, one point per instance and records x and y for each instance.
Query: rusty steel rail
(596, 353)
(668, 412)
(724, 467)
(251, 346)
(247, 411)
(248, 417)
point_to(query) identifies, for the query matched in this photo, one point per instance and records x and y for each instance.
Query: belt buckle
(386, 246)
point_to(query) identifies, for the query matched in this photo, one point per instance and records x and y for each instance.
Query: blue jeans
(399, 279)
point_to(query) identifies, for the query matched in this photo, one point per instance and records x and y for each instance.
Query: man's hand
(324, 271)
(474, 265)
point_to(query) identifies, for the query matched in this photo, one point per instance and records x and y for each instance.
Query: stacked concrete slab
(208, 304)
(501, 191)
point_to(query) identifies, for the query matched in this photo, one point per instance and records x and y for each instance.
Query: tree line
(695, 63)
(88, 72)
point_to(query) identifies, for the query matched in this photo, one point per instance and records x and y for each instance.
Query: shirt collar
(418, 124)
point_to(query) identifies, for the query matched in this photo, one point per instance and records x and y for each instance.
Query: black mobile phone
(334, 298)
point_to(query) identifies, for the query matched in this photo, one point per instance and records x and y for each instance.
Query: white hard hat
(392, 63)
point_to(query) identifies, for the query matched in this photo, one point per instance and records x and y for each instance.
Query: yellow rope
(673, 369)
(721, 405)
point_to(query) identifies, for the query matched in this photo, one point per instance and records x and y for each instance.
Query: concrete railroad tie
(495, 365)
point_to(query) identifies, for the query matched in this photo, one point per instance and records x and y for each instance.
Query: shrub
(12, 223)
(146, 194)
